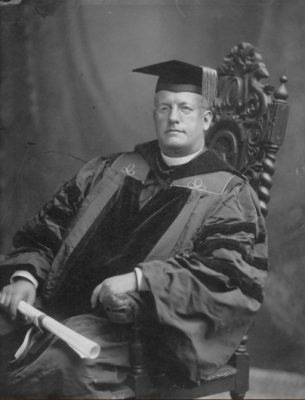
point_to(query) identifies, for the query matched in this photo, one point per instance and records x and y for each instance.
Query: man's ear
(208, 116)
(154, 118)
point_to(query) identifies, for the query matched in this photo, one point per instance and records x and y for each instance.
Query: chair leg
(136, 351)
(237, 396)
(243, 368)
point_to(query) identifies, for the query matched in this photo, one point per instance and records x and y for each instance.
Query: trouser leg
(59, 372)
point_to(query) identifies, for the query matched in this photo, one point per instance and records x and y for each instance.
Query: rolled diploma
(86, 348)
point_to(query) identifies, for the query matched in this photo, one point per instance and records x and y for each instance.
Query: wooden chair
(248, 128)
(250, 118)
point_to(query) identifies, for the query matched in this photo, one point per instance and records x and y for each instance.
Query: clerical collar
(171, 161)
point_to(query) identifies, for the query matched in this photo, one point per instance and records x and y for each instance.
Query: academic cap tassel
(209, 85)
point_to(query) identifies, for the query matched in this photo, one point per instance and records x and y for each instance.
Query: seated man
(171, 224)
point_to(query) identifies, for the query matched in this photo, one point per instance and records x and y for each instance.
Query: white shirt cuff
(142, 286)
(26, 275)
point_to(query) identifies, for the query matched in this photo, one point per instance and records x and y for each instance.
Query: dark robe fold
(196, 231)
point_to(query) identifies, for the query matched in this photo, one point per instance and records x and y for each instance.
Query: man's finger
(31, 298)
(95, 295)
(7, 299)
(13, 306)
(102, 293)
(2, 297)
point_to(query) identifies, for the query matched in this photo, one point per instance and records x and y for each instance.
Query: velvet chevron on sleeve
(195, 230)
(36, 244)
(207, 298)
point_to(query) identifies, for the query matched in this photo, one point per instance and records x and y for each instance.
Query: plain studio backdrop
(68, 95)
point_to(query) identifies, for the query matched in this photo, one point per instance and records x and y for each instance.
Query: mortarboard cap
(178, 76)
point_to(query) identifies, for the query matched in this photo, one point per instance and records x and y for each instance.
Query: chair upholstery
(248, 127)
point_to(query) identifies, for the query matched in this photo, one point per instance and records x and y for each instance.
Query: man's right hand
(11, 295)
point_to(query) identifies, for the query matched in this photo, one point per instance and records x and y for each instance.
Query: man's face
(180, 134)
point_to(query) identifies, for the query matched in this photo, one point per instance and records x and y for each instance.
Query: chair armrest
(121, 308)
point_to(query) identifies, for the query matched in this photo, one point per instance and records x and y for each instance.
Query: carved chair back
(250, 118)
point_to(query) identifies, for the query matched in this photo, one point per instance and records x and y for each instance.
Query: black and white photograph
(152, 171)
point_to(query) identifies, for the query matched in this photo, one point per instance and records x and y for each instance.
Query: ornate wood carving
(136, 351)
(250, 118)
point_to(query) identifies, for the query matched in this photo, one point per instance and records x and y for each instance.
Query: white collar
(179, 160)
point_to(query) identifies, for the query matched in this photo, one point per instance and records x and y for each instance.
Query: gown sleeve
(36, 244)
(207, 299)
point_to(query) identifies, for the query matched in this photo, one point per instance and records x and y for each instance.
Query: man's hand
(115, 285)
(11, 295)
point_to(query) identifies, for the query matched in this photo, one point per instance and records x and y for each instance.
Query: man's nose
(174, 115)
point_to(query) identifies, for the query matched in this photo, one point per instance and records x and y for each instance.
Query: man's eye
(186, 109)
(163, 109)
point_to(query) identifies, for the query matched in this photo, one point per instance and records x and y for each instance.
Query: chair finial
(281, 94)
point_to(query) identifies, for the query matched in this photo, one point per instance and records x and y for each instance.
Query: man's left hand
(114, 285)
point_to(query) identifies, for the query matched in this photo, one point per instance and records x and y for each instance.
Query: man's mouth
(174, 131)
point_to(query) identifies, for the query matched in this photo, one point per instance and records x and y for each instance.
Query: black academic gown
(195, 231)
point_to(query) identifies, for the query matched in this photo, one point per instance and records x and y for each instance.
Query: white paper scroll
(86, 348)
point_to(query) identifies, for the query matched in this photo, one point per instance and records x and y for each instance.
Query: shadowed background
(68, 95)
